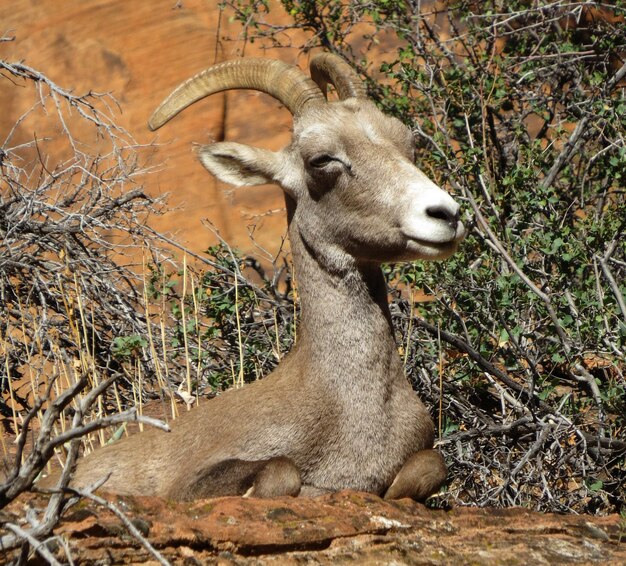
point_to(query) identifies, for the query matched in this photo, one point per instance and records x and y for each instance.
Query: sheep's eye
(320, 161)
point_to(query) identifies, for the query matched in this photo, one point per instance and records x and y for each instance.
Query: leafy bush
(234, 323)
(519, 109)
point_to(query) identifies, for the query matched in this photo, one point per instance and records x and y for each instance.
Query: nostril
(444, 213)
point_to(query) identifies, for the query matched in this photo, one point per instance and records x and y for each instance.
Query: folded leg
(420, 476)
(260, 478)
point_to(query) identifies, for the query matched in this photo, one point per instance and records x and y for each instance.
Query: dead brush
(72, 227)
(97, 318)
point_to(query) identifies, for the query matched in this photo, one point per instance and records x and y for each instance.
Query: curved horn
(330, 68)
(284, 82)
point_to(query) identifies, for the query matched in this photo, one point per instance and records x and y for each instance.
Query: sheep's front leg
(273, 477)
(279, 476)
(420, 476)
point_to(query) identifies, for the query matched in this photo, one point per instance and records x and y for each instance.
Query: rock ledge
(346, 527)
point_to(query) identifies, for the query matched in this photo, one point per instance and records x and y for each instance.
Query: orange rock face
(342, 528)
(140, 51)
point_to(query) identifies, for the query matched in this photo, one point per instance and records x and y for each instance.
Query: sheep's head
(349, 168)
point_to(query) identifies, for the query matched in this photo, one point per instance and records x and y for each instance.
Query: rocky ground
(341, 528)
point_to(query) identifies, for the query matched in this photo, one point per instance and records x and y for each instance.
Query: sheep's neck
(345, 335)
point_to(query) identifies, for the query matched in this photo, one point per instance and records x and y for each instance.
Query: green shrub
(519, 109)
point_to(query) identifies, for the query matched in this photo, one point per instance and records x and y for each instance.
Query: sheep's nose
(445, 213)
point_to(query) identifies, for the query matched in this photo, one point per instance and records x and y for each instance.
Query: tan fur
(337, 412)
(419, 477)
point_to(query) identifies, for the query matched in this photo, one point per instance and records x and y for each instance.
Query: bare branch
(132, 529)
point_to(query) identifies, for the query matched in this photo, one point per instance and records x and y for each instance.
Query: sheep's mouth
(454, 241)
(427, 249)
(455, 238)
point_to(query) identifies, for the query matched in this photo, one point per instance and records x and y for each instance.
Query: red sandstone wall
(139, 51)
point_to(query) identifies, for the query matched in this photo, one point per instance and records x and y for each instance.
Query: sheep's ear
(240, 164)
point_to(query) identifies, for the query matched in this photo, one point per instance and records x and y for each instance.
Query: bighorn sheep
(338, 412)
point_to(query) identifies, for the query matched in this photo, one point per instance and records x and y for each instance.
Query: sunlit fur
(338, 409)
